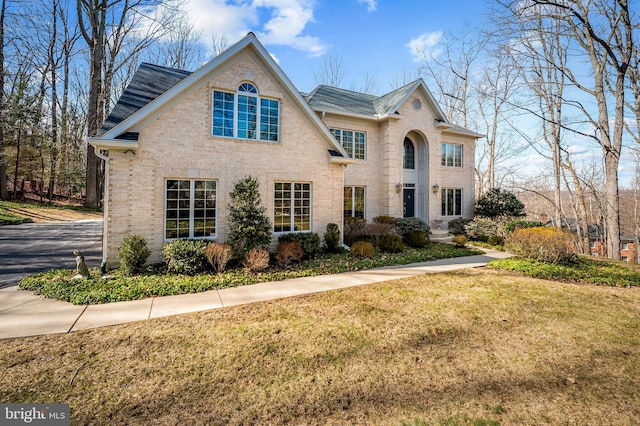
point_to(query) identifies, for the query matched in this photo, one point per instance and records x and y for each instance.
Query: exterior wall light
(398, 187)
(436, 188)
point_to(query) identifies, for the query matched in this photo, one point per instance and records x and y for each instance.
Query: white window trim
(258, 98)
(192, 184)
(364, 201)
(292, 207)
(352, 154)
(454, 155)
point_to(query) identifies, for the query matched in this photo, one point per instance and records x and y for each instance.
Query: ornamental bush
(391, 243)
(309, 241)
(250, 226)
(256, 260)
(459, 241)
(185, 256)
(408, 224)
(363, 249)
(512, 225)
(456, 226)
(481, 229)
(544, 244)
(332, 238)
(289, 252)
(133, 254)
(218, 255)
(417, 239)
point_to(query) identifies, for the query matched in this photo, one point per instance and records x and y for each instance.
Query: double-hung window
(451, 202)
(355, 143)
(451, 155)
(245, 115)
(354, 201)
(292, 207)
(190, 208)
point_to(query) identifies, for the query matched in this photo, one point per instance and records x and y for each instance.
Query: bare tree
(332, 71)
(4, 193)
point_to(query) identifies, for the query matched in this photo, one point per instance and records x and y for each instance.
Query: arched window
(245, 115)
(409, 154)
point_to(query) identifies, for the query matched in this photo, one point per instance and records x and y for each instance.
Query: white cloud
(425, 46)
(284, 25)
(372, 5)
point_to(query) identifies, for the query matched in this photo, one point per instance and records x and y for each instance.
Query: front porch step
(441, 236)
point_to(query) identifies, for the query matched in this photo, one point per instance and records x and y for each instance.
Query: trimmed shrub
(362, 249)
(551, 245)
(481, 229)
(250, 226)
(459, 241)
(218, 255)
(332, 238)
(309, 241)
(289, 252)
(256, 260)
(133, 254)
(185, 256)
(456, 226)
(408, 224)
(374, 232)
(391, 243)
(417, 239)
(512, 225)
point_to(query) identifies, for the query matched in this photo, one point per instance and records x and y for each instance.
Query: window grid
(292, 207)
(245, 115)
(409, 154)
(451, 202)
(355, 143)
(451, 155)
(190, 209)
(354, 201)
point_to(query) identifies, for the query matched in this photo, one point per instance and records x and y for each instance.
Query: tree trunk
(4, 192)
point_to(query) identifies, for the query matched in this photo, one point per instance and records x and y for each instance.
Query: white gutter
(105, 208)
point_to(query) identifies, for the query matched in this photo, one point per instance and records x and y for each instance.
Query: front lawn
(59, 284)
(584, 270)
(474, 347)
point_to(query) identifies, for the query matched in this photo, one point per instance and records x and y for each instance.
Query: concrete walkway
(24, 314)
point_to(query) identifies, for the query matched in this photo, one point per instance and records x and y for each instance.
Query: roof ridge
(162, 67)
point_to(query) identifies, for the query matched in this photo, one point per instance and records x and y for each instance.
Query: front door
(409, 195)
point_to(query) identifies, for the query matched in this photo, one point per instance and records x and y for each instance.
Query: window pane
(223, 114)
(269, 118)
(190, 205)
(347, 141)
(348, 201)
(458, 202)
(458, 156)
(444, 154)
(247, 117)
(282, 207)
(359, 146)
(358, 202)
(408, 154)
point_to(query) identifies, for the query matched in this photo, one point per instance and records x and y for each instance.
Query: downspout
(105, 210)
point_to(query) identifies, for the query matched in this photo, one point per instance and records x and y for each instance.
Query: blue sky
(369, 36)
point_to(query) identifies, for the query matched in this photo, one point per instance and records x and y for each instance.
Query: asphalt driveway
(35, 247)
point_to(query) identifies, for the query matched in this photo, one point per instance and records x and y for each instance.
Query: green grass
(584, 270)
(474, 347)
(59, 284)
(10, 218)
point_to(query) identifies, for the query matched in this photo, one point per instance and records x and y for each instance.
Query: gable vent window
(245, 115)
(355, 143)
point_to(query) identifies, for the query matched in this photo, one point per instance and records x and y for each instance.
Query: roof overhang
(377, 117)
(446, 127)
(112, 144)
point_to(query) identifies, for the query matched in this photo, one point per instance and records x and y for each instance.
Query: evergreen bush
(417, 239)
(133, 254)
(332, 238)
(391, 243)
(309, 241)
(407, 224)
(363, 249)
(250, 226)
(185, 256)
(481, 229)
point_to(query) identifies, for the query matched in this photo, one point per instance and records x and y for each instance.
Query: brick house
(627, 248)
(176, 143)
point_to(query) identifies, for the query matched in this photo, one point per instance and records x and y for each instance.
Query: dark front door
(409, 202)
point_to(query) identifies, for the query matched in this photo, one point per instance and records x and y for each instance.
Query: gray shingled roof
(328, 98)
(149, 82)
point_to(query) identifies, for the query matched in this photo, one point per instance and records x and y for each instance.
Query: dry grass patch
(479, 346)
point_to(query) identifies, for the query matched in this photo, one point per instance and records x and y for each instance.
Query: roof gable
(176, 85)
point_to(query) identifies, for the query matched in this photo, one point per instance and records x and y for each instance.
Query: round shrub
(309, 241)
(256, 259)
(459, 241)
(417, 239)
(391, 243)
(362, 249)
(332, 238)
(289, 252)
(407, 224)
(218, 255)
(551, 245)
(185, 256)
(481, 229)
(496, 240)
(456, 226)
(386, 220)
(133, 254)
